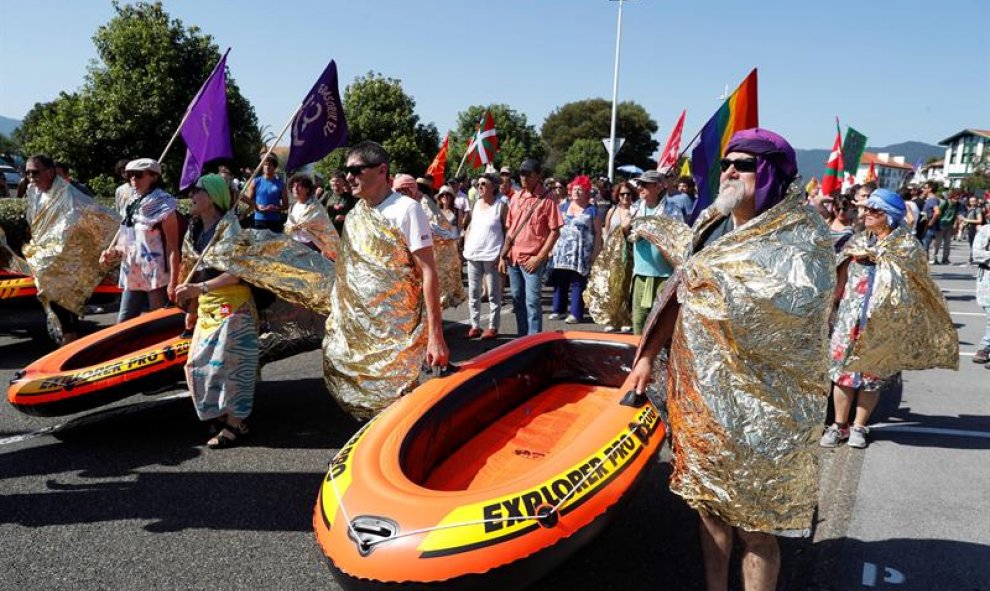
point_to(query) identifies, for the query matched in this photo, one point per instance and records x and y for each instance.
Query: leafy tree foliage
(150, 67)
(591, 120)
(377, 109)
(585, 156)
(9, 147)
(517, 139)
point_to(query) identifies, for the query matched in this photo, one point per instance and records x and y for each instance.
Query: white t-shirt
(408, 216)
(461, 202)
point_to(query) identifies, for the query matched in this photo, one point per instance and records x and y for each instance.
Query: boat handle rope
(538, 517)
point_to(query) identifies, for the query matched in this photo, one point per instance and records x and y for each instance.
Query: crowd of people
(397, 241)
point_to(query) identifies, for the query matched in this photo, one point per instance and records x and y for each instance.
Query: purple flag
(206, 130)
(319, 127)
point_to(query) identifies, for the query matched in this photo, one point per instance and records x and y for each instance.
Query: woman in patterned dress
(575, 251)
(883, 213)
(223, 355)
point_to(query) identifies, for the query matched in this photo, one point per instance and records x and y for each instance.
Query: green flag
(852, 150)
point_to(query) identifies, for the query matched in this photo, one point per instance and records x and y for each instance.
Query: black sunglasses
(625, 194)
(135, 175)
(741, 164)
(357, 169)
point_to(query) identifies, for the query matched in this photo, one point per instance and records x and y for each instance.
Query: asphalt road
(127, 497)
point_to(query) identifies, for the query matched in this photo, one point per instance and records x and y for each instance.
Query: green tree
(517, 139)
(149, 68)
(591, 119)
(9, 147)
(377, 109)
(979, 180)
(585, 156)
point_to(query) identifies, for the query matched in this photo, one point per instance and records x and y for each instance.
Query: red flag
(439, 166)
(668, 158)
(484, 144)
(831, 181)
(871, 174)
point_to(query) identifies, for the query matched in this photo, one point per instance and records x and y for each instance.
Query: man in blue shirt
(268, 196)
(650, 268)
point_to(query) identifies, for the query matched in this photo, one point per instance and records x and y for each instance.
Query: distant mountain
(811, 163)
(8, 125)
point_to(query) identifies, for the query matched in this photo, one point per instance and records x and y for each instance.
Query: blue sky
(905, 70)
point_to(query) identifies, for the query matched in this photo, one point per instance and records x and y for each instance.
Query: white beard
(731, 193)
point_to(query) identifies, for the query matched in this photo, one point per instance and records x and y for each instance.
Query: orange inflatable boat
(14, 287)
(142, 354)
(490, 477)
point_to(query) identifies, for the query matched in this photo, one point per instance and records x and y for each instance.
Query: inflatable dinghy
(143, 354)
(494, 475)
(14, 288)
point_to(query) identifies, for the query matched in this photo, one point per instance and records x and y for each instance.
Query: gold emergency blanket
(268, 260)
(312, 218)
(908, 324)
(376, 337)
(607, 293)
(9, 259)
(68, 232)
(446, 254)
(747, 367)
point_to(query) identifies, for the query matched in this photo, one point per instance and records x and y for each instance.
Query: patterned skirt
(223, 356)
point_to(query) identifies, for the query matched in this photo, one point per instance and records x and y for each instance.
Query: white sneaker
(554, 316)
(571, 319)
(626, 330)
(609, 328)
(833, 436)
(857, 437)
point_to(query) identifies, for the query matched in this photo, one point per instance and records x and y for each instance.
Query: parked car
(13, 179)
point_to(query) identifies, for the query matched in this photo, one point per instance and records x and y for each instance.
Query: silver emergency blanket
(287, 329)
(446, 255)
(9, 259)
(312, 218)
(376, 337)
(68, 232)
(268, 260)
(908, 324)
(609, 283)
(747, 366)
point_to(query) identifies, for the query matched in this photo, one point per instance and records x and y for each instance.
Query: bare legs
(760, 559)
(843, 397)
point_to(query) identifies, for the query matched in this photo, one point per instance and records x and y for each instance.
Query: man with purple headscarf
(745, 318)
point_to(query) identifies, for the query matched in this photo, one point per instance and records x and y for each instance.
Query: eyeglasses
(873, 211)
(357, 169)
(625, 194)
(33, 172)
(135, 175)
(484, 184)
(740, 164)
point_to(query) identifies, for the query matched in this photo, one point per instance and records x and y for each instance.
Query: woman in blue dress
(579, 244)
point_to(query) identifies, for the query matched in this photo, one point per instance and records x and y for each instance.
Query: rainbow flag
(739, 111)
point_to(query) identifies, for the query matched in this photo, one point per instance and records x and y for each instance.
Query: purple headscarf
(776, 164)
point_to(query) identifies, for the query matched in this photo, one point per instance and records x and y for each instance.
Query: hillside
(8, 125)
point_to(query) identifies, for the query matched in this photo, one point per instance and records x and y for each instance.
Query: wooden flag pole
(185, 117)
(466, 152)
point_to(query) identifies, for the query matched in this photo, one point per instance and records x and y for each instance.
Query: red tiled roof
(869, 157)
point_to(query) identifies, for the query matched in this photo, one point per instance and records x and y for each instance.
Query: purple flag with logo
(319, 127)
(206, 130)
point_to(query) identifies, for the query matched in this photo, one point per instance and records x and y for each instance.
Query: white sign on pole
(608, 144)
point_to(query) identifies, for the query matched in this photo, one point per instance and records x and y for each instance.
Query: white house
(962, 150)
(892, 171)
(930, 172)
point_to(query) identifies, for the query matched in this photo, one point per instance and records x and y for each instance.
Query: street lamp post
(615, 97)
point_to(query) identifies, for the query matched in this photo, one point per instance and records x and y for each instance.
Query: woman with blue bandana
(863, 294)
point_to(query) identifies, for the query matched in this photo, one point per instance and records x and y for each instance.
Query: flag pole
(185, 117)
(243, 190)
(468, 151)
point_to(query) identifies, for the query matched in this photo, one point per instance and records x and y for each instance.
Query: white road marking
(911, 428)
(959, 290)
(966, 354)
(967, 313)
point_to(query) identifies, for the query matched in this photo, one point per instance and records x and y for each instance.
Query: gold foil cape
(446, 255)
(268, 260)
(9, 259)
(68, 232)
(607, 293)
(313, 218)
(376, 337)
(908, 325)
(287, 329)
(748, 368)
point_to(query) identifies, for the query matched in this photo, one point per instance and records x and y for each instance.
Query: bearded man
(746, 319)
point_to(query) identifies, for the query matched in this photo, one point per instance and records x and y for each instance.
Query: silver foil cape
(9, 259)
(376, 337)
(609, 283)
(446, 255)
(908, 324)
(748, 365)
(313, 219)
(68, 232)
(271, 261)
(287, 329)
